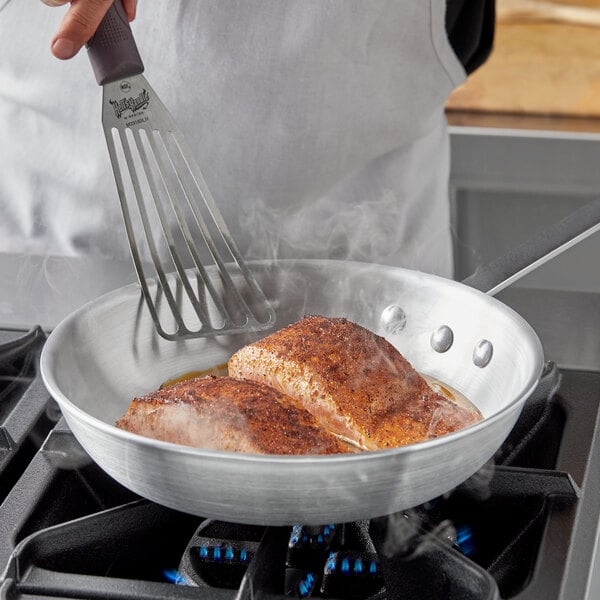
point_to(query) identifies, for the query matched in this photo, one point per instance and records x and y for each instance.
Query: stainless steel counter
(567, 323)
(42, 290)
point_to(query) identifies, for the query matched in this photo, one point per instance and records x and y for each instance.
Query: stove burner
(218, 554)
(69, 530)
(26, 412)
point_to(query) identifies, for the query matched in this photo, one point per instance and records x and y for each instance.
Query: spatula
(194, 282)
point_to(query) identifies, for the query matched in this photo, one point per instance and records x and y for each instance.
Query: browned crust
(354, 381)
(229, 414)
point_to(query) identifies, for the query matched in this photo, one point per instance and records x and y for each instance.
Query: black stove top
(523, 527)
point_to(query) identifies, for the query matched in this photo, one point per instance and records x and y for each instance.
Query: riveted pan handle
(112, 49)
(533, 253)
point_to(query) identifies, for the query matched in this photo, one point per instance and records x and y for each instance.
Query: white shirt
(318, 124)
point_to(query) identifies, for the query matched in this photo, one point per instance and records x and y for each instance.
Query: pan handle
(527, 257)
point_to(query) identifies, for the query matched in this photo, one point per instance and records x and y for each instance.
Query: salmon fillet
(354, 382)
(221, 413)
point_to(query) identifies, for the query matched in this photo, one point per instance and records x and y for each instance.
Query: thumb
(78, 26)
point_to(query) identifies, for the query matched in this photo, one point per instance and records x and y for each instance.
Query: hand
(80, 23)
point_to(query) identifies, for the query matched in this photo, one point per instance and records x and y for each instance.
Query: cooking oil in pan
(218, 370)
(449, 392)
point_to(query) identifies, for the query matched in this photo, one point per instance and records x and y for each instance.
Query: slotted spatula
(194, 280)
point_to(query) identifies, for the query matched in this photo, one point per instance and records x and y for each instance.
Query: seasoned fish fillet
(353, 381)
(221, 413)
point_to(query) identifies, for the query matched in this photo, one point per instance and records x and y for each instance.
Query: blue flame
(306, 585)
(358, 566)
(345, 566)
(330, 564)
(174, 576)
(464, 539)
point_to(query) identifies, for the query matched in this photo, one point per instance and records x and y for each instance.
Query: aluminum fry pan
(106, 353)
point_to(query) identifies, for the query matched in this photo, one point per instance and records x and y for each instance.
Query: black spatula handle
(112, 49)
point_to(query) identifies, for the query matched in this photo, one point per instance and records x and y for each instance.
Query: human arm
(470, 25)
(80, 22)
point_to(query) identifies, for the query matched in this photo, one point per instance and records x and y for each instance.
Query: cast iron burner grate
(26, 411)
(68, 530)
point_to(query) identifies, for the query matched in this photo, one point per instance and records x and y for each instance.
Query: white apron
(319, 127)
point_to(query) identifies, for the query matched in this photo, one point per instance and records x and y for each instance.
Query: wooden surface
(545, 62)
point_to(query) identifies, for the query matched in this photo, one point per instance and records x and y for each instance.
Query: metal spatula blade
(194, 280)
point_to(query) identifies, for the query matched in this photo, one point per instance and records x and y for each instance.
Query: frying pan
(106, 353)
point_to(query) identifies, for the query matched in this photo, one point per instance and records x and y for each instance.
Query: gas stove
(523, 527)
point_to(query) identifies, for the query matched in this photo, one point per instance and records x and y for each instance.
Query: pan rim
(71, 408)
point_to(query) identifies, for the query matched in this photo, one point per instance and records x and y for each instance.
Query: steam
(478, 485)
(407, 533)
(373, 231)
(313, 230)
(400, 534)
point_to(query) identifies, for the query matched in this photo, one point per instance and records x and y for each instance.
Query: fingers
(78, 26)
(130, 7)
(80, 22)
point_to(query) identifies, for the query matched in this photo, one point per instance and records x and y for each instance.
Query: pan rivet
(393, 319)
(482, 354)
(442, 339)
